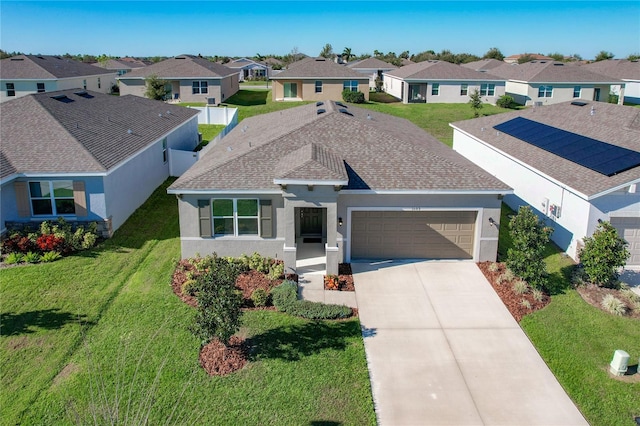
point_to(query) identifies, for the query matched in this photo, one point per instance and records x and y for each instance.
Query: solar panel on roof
(591, 153)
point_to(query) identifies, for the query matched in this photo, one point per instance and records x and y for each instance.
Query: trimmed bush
(259, 297)
(285, 299)
(353, 97)
(613, 305)
(603, 253)
(506, 101)
(51, 256)
(526, 304)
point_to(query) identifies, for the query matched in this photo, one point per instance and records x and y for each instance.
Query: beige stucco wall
(27, 87)
(331, 89)
(219, 89)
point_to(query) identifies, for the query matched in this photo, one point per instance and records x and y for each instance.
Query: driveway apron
(442, 349)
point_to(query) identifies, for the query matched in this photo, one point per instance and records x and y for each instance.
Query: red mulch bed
(220, 360)
(511, 300)
(345, 278)
(593, 295)
(179, 277)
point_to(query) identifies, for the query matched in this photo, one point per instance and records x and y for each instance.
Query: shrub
(613, 305)
(276, 270)
(284, 295)
(189, 287)
(51, 256)
(89, 240)
(26, 244)
(493, 267)
(526, 257)
(32, 257)
(259, 297)
(630, 294)
(49, 242)
(537, 294)
(509, 275)
(285, 299)
(332, 281)
(526, 304)
(520, 287)
(352, 97)
(506, 101)
(603, 253)
(14, 258)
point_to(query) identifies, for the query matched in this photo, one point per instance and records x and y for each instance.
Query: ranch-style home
(22, 75)
(249, 69)
(625, 70)
(352, 183)
(441, 82)
(189, 79)
(374, 68)
(575, 163)
(316, 79)
(86, 156)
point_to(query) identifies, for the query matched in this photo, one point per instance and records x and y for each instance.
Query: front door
(596, 94)
(310, 221)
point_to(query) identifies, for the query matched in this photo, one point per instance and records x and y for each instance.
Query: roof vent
(319, 103)
(180, 57)
(130, 131)
(320, 111)
(62, 98)
(558, 64)
(320, 59)
(578, 103)
(593, 110)
(84, 94)
(344, 111)
(368, 116)
(341, 104)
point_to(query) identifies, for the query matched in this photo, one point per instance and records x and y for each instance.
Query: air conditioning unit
(211, 101)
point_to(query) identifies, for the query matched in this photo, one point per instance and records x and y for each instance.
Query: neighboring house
(86, 156)
(358, 184)
(189, 79)
(625, 70)
(120, 66)
(372, 67)
(483, 65)
(249, 69)
(22, 75)
(513, 59)
(405, 62)
(552, 82)
(441, 82)
(315, 79)
(600, 182)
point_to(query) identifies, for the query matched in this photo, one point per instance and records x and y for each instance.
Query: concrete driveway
(443, 350)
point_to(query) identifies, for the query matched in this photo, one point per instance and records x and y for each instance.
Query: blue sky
(234, 28)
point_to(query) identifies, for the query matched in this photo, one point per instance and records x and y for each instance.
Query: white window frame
(40, 88)
(199, 87)
(545, 91)
(487, 89)
(11, 89)
(351, 85)
(464, 89)
(51, 197)
(577, 91)
(435, 89)
(318, 86)
(235, 218)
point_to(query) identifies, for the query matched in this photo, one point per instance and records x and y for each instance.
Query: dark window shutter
(22, 199)
(204, 213)
(266, 221)
(79, 198)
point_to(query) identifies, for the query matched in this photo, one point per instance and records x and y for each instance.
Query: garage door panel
(629, 229)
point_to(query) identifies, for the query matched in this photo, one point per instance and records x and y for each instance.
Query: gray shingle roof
(115, 64)
(483, 64)
(183, 66)
(318, 68)
(43, 135)
(614, 124)
(371, 63)
(439, 70)
(549, 72)
(379, 152)
(45, 67)
(314, 163)
(616, 68)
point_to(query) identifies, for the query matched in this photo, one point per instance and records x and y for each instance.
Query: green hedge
(285, 299)
(353, 97)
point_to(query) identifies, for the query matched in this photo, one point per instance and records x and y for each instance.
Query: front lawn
(81, 330)
(256, 102)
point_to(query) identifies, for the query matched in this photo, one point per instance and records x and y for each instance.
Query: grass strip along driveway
(101, 333)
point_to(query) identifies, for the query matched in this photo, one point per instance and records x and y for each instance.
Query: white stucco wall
(449, 90)
(631, 91)
(527, 94)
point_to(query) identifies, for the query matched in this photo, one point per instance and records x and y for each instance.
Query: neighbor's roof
(614, 124)
(378, 152)
(439, 70)
(536, 56)
(483, 64)
(549, 72)
(616, 68)
(119, 64)
(28, 67)
(372, 63)
(182, 66)
(81, 131)
(317, 68)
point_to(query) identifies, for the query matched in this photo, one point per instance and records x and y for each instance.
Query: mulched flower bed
(220, 360)
(593, 295)
(345, 278)
(511, 300)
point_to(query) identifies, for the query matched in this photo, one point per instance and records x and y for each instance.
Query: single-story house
(86, 156)
(483, 65)
(355, 183)
(316, 79)
(120, 66)
(513, 59)
(373, 67)
(22, 75)
(189, 79)
(435, 81)
(249, 69)
(575, 163)
(552, 82)
(625, 70)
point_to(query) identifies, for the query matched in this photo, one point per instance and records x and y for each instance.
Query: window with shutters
(52, 198)
(235, 216)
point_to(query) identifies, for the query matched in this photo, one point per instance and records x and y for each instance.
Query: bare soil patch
(68, 370)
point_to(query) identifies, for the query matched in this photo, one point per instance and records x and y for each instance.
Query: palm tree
(346, 54)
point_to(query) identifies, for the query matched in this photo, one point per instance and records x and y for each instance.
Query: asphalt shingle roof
(483, 64)
(28, 67)
(439, 70)
(379, 152)
(372, 63)
(549, 72)
(616, 68)
(614, 124)
(118, 64)
(318, 68)
(41, 134)
(183, 66)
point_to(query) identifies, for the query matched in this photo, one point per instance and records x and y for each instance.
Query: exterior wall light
(340, 221)
(492, 222)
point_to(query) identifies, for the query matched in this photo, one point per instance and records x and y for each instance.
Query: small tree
(603, 55)
(156, 88)
(475, 102)
(529, 238)
(494, 53)
(603, 253)
(327, 51)
(506, 101)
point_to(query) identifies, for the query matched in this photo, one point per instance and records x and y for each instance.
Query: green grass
(210, 131)
(577, 342)
(78, 331)
(256, 102)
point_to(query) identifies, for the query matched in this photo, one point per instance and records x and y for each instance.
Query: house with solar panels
(575, 163)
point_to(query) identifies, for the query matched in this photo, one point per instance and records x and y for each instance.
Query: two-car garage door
(412, 234)
(629, 229)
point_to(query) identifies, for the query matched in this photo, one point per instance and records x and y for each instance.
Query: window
(40, 87)
(164, 150)
(351, 85)
(232, 216)
(435, 89)
(84, 84)
(487, 89)
(464, 89)
(545, 91)
(52, 198)
(199, 87)
(290, 90)
(576, 91)
(11, 89)
(318, 86)
(99, 85)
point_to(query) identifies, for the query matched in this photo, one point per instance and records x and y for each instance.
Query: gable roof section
(28, 67)
(379, 152)
(372, 63)
(318, 68)
(616, 68)
(183, 66)
(613, 124)
(119, 64)
(483, 64)
(550, 72)
(81, 133)
(439, 70)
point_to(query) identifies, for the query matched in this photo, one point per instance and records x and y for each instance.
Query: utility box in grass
(619, 363)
